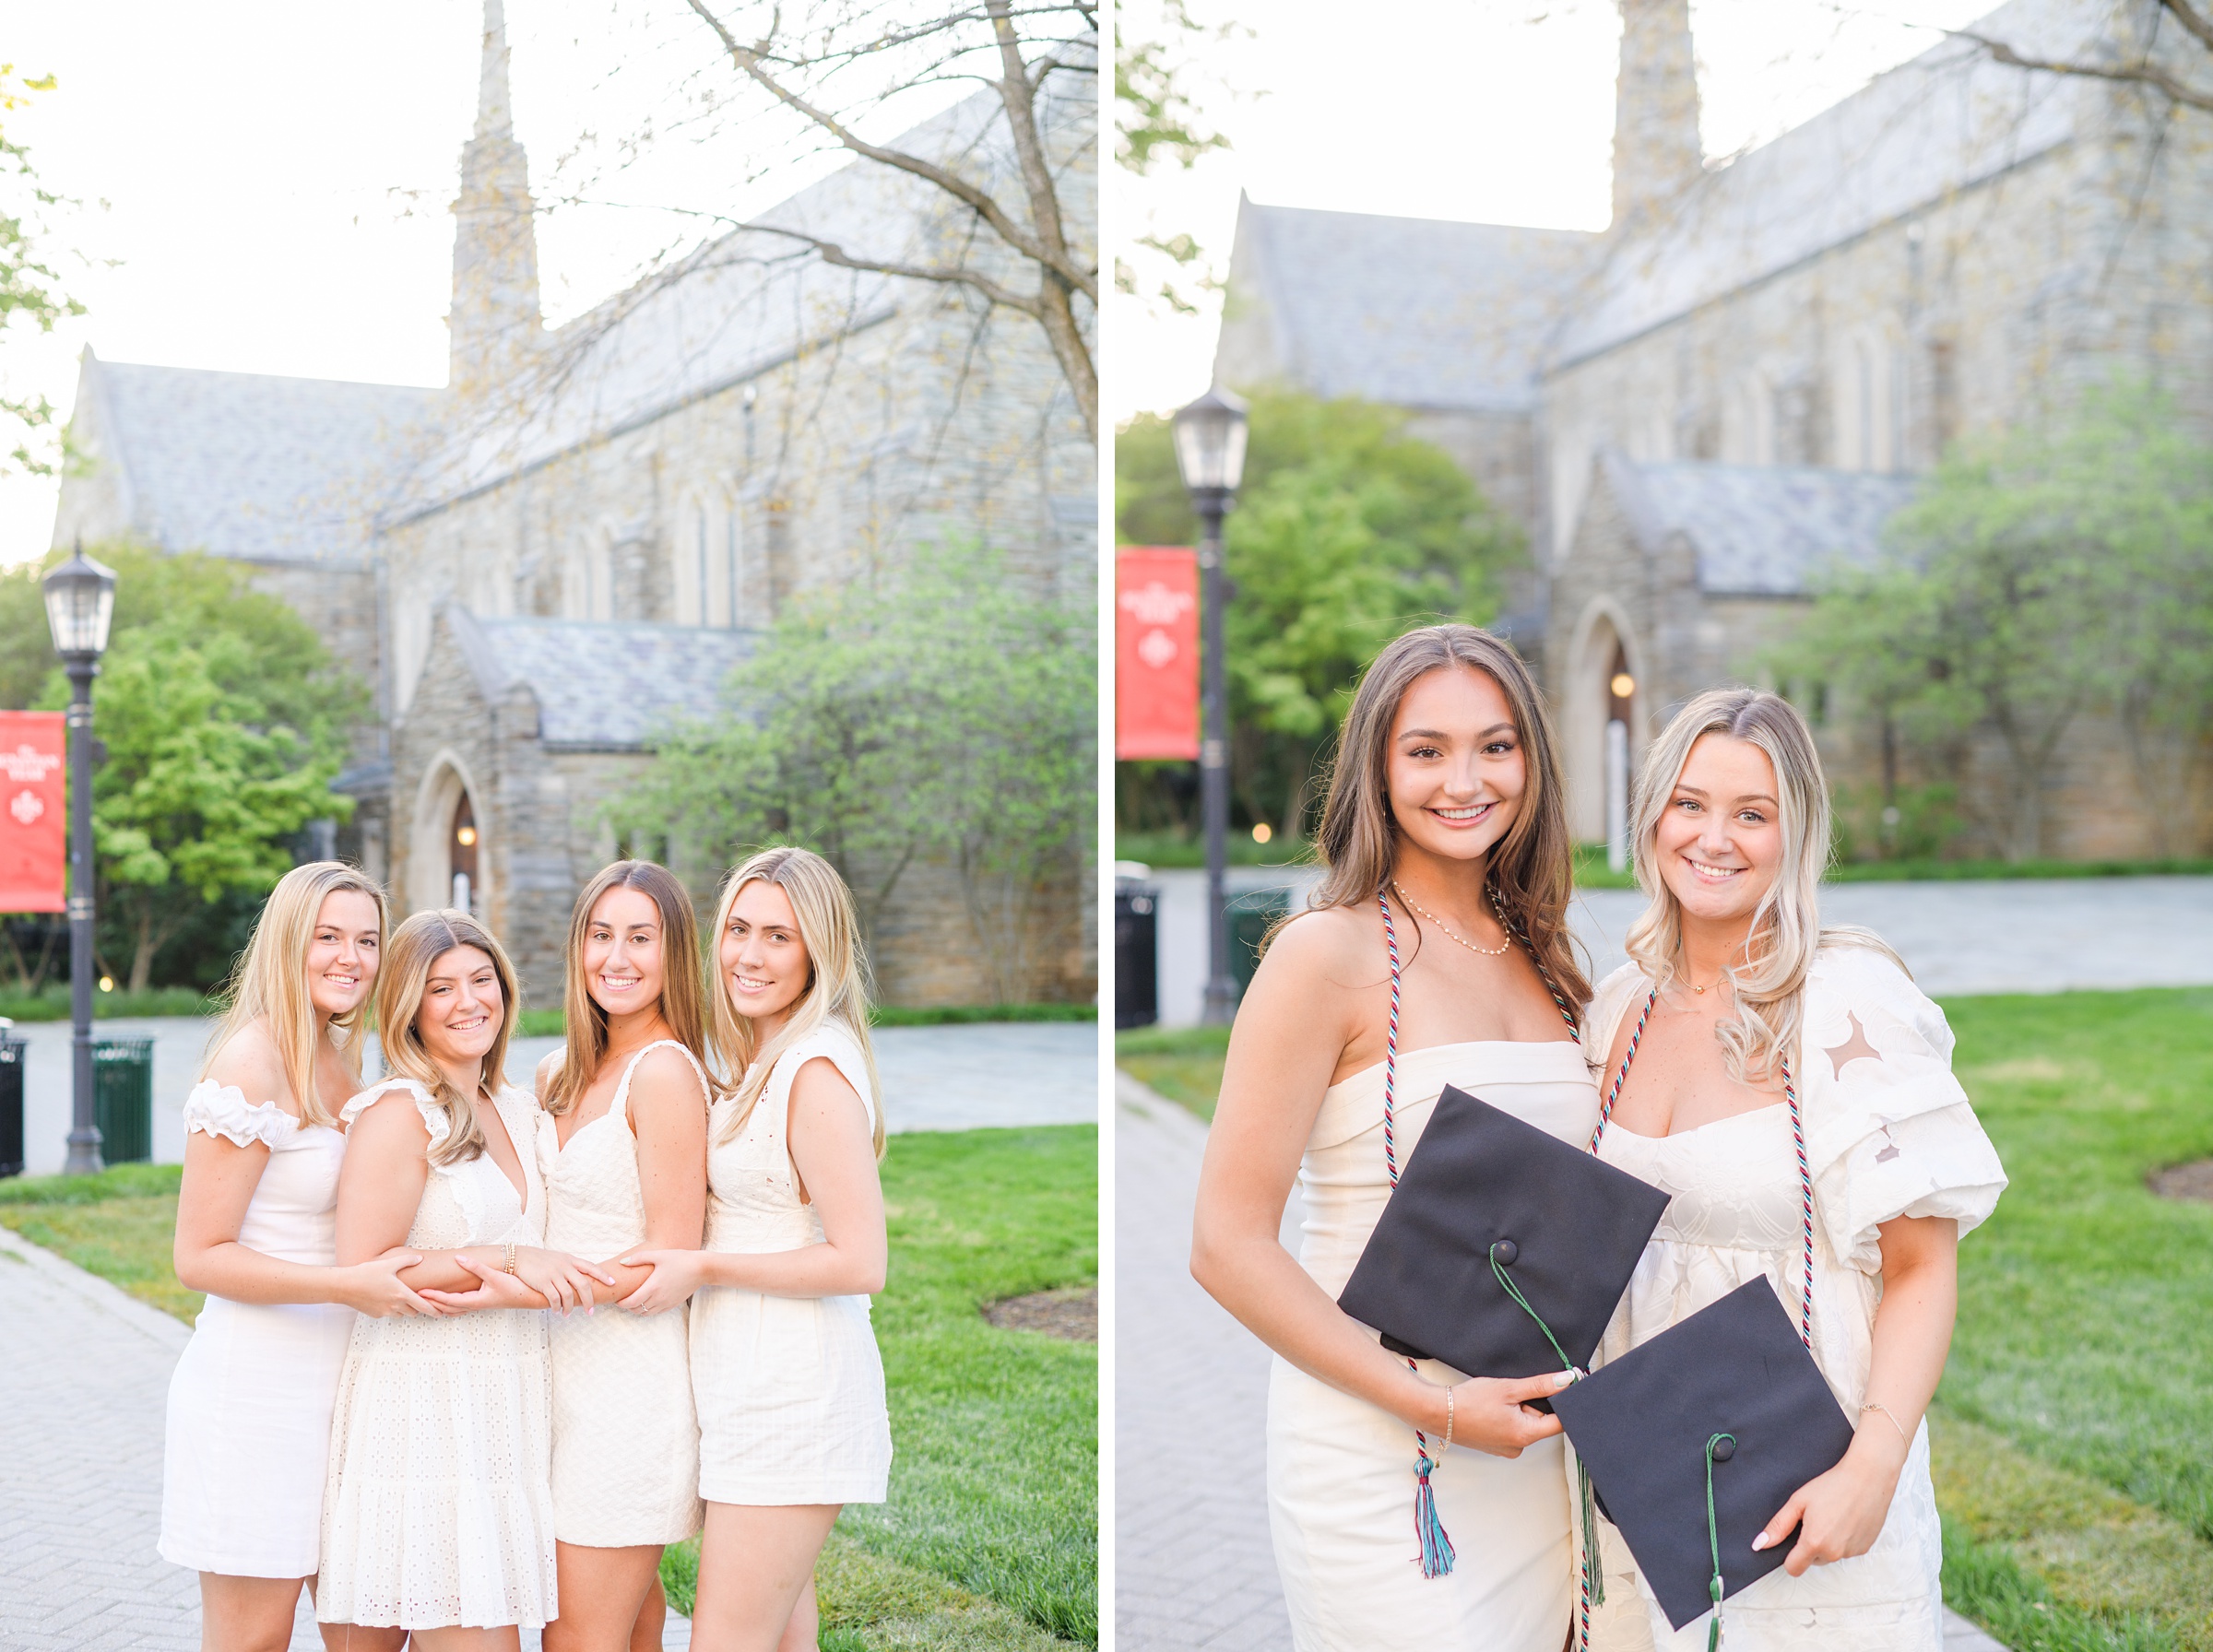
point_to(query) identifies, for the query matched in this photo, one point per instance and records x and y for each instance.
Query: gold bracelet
(1874, 1405)
(510, 1258)
(1447, 1420)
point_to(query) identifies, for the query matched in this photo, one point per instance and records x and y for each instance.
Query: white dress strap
(434, 1116)
(833, 1044)
(620, 1106)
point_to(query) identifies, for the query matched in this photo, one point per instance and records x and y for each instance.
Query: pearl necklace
(1497, 952)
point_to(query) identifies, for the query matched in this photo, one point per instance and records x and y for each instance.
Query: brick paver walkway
(1193, 1568)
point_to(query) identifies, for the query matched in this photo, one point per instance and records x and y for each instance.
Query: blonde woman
(1794, 1092)
(784, 1363)
(1435, 952)
(624, 1150)
(250, 1404)
(437, 1517)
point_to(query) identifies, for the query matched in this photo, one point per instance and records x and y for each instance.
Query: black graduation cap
(1495, 1232)
(1732, 1379)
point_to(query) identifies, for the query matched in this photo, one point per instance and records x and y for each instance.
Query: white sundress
(789, 1388)
(439, 1509)
(248, 1434)
(625, 1441)
(1890, 1133)
(1341, 1479)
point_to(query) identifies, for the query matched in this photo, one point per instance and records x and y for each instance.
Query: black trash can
(1251, 915)
(11, 1104)
(123, 1099)
(1136, 954)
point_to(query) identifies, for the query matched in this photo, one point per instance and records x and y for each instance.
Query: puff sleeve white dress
(1341, 1482)
(1890, 1133)
(248, 1434)
(625, 1442)
(439, 1509)
(789, 1388)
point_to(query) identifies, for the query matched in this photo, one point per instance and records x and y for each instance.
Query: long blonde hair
(1769, 986)
(585, 1029)
(836, 979)
(270, 983)
(1532, 869)
(417, 945)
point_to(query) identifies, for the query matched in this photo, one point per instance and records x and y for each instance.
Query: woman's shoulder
(218, 1109)
(427, 1107)
(249, 1061)
(1332, 943)
(1855, 973)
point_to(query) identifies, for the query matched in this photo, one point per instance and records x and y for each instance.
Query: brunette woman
(784, 1363)
(437, 1515)
(1434, 952)
(250, 1405)
(1792, 1089)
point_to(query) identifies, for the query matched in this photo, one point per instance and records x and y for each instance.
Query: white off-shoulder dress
(789, 1388)
(439, 1509)
(1341, 1480)
(249, 1406)
(1890, 1133)
(625, 1441)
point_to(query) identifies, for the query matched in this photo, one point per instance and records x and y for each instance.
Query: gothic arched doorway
(461, 859)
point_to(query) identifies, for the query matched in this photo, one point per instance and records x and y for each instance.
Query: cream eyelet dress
(789, 1388)
(1341, 1475)
(438, 1510)
(1888, 1133)
(248, 1436)
(625, 1440)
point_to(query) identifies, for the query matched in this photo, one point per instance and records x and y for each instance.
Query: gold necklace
(1497, 952)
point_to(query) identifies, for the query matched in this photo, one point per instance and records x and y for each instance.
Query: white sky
(1491, 111)
(278, 174)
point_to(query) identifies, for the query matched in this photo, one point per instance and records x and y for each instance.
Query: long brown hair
(270, 982)
(682, 994)
(1532, 869)
(417, 945)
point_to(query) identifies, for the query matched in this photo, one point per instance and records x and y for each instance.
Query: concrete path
(2010, 935)
(955, 1077)
(1193, 1566)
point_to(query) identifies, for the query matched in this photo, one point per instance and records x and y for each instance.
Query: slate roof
(1936, 124)
(1757, 530)
(1419, 312)
(250, 465)
(601, 686)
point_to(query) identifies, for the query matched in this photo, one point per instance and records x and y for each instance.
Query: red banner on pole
(1157, 652)
(33, 812)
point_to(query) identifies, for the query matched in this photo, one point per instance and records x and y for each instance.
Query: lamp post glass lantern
(80, 600)
(1210, 452)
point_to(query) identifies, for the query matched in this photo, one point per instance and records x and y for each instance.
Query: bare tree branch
(2142, 72)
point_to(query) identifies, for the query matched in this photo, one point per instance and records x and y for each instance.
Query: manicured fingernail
(1760, 1543)
(1561, 1379)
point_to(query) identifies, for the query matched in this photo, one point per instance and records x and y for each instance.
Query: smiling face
(622, 952)
(763, 961)
(462, 1008)
(1719, 843)
(1455, 770)
(342, 952)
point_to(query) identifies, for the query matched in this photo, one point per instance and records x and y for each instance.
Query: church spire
(495, 322)
(1656, 150)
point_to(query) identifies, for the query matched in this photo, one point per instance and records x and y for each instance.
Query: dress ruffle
(223, 1110)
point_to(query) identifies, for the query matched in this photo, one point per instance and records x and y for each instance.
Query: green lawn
(2075, 1425)
(991, 1539)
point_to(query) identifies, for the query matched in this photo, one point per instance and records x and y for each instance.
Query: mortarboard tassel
(1437, 1548)
(1713, 1535)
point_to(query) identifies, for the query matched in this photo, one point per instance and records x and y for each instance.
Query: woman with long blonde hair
(1792, 1091)
(785, 1369)
(437, 1517)
(1434, 952)
(249, 1403)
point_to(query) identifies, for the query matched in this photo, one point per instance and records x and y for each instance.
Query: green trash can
(1251, 915)
(123, 1099)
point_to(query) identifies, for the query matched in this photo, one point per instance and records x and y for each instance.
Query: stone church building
(1739, 379)
(590, 525)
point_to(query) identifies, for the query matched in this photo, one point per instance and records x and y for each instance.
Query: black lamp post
(1210, 451)
(80, 600)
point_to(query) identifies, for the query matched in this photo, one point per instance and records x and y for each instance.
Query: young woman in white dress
(784, 1363)
(1792, 1089)
(625, 1152)
(437, 1515)
(1434, 952)
(250, 1404)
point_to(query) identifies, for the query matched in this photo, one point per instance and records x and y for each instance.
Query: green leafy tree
(1347, 533)
(948, 711)
(1158, 123)
(31, 288)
